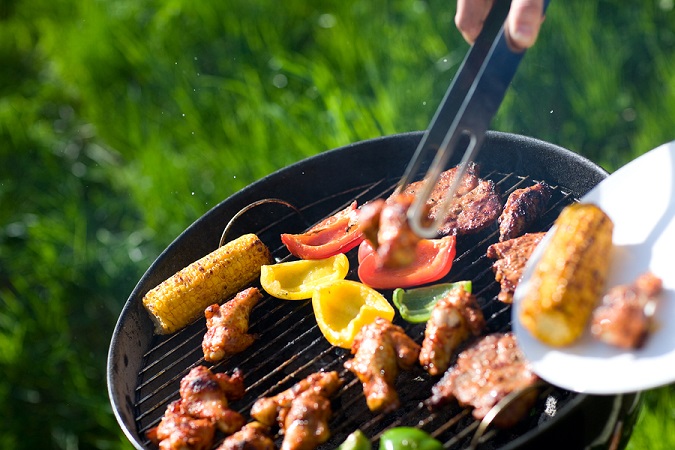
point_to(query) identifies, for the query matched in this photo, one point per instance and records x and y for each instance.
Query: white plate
(640, 200)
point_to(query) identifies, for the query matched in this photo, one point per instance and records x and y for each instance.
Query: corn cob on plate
(640, 201)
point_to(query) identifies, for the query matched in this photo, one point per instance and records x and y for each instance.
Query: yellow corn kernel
(570, 277)
(182, 298)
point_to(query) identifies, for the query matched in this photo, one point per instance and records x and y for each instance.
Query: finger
(470, 17)
(523, 23)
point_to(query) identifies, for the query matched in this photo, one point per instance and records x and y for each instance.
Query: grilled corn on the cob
(180, 299)
(570, 277)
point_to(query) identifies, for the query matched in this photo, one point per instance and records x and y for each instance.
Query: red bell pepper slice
(433, 261)
(338, 233)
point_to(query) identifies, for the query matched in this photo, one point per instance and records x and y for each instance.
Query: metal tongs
(463, 116)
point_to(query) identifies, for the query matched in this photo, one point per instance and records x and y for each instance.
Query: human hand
(522, 24)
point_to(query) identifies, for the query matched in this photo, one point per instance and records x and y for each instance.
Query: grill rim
(133, 331)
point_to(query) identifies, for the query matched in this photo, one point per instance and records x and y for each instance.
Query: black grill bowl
(144, 370)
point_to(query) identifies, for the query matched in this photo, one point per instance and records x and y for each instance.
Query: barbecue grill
(144, 370)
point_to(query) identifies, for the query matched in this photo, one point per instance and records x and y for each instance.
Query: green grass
(123, 122)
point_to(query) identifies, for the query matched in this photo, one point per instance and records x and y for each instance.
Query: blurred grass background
(122, 122)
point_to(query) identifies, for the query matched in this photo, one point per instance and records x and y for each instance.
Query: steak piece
(484, 374)
(624, 318)
(477, 202)
(511, 257)
(522, 208)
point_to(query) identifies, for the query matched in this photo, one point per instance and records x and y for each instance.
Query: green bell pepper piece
(408, 438)
(415, 305)
(356, 441)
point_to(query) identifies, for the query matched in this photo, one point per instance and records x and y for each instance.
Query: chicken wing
(252, 436)
(179, 431)
(624, 318)
(455, 318)
(380, 350)
(205, 395)
(301, 412)
(227, 326)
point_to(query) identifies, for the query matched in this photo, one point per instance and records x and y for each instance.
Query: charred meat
(385, 224)
(301, 412)
(484, 374)
(511, 257)
(624, 318)
(522, 208)
(380, 349)
(205, 395)
(476, 205)
(227, 326)
(180, 431)
(455, 318)
(252, 436)
(190, 423)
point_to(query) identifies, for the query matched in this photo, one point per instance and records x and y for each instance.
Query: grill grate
(290, 345)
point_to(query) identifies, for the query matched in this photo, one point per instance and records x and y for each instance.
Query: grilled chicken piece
(511, 257)
(477, 202)
(252, 436)
(180, 431)
(227, 326)
(381, 349)
(624, 318)
(301, 412)
(484, 374)
(455, 318)
(306, 423)
(522, 208)
(385, 224)
(205, 395)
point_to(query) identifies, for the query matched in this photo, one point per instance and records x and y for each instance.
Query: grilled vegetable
(408, 438)
(570, 277)
(415, 305)
(356, 441)
(297, 280)
(182, 298)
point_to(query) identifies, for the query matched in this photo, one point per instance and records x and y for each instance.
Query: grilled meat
(385, 224)
(522, 208)
(380, 349)
(227, 326)
(477, 203)
(484, 374)
(455, 318)
(252, 436)
(205, 395)
(190, 423)
(180, 431)
(511, 257)
(301, 412)
(624, 318)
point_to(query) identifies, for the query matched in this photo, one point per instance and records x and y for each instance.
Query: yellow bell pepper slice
(342, 308)
(297, 280)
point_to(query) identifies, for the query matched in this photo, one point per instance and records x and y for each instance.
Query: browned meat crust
(484, 374)
(227, 326)
(511, 257)
(455, 318)
(477, 201)
(190, 423)
(380, 350)
(253, 436)
(624, 318)
(301, 412)
(522, 208)
(385, 224)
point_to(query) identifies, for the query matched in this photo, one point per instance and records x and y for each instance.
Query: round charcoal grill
(144, 371)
